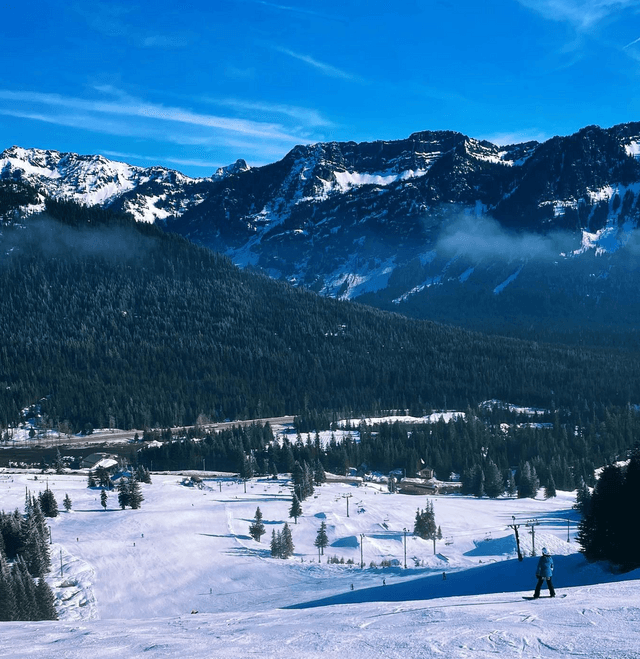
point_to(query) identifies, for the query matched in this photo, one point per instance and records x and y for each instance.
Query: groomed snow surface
(127, 581)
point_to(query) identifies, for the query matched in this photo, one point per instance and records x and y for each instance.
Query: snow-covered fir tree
(256, 529)
(322, 540)
(48, 503)
(123, 492)
(296, 509)
(276, 541)
(425, 524)
(135, 494)
(287, 542)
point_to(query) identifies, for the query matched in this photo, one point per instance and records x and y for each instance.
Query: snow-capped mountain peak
(408, 221)
(96, 180)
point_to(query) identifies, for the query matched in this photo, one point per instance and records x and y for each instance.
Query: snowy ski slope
(128, 581)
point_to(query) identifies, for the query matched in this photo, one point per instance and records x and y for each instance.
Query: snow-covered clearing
(130, 579)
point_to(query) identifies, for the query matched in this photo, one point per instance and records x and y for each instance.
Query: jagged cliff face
(438, 225)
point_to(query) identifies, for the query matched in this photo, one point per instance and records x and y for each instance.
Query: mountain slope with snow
(149, 194)
(182, 577)
(438, 225)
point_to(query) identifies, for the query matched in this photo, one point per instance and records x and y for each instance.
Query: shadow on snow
(509, 576)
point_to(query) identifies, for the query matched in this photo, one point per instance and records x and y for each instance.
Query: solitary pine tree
(257, 530)
(322, 540)
(425, 525)
(48, 503)
(103, 498)
(135, 494)
(296, 509)
(66, 502)
(123, 492)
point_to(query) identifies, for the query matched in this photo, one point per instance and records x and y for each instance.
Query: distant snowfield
(130, 579)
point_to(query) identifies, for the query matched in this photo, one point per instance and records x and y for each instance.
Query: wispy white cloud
(136, 108)
(306, 116)
(296, 10)
(177, 161)
(583, 15)
(635, 41)
(322, 67)
(115, 20)
(104, 126)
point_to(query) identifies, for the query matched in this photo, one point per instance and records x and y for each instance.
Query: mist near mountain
(479, 238)
(532, 239)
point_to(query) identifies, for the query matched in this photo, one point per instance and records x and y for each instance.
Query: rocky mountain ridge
(437, 225)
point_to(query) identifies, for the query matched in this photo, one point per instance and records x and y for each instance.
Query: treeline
(24, 560)
(607, 530)
(109, 323)
(484, 447)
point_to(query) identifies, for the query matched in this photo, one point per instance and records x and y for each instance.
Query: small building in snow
(96, 460)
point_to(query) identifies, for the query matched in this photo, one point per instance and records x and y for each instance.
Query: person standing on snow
(544, 571)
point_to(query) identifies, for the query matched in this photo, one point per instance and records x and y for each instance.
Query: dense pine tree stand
(24, 560)
(135, 327)
(607, 531)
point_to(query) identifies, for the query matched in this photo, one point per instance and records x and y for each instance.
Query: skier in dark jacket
(544, 571)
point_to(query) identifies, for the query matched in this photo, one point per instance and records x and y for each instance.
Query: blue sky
(196, 85)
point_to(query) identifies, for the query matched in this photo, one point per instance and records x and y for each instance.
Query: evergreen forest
(484, 447)
(24, 561)
(607, 531)
(110, 323)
